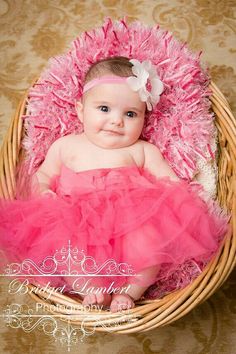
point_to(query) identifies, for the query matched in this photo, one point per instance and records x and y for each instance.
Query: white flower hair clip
(146, 82)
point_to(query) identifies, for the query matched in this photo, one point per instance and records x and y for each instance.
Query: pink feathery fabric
(180, 125)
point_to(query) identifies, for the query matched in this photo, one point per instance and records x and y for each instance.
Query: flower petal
(149, 106)
(137, 67)
(146, 64)
(143, 94)
(133, 83)
(143, 77)
(157, 86)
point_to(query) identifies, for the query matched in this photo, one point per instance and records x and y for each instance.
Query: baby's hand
(49, 192)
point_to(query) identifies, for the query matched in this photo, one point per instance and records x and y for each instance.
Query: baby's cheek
(137, 131)
(99, 126)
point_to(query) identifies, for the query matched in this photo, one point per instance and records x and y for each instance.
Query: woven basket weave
(147, 314)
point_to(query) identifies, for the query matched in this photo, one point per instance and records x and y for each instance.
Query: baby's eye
(103, 108)
(131, 114)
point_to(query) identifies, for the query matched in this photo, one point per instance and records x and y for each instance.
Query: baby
(113, 116)
(112, 194)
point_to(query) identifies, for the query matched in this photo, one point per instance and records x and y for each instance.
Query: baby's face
(112, 115)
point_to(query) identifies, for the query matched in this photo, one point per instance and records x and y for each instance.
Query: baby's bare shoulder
(68, 139)
(64, 143)
(150, 148)
(137, 152)
(60, 145)
(155, 162)
(146, 143)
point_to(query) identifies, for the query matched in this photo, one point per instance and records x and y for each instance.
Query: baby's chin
(109, 143)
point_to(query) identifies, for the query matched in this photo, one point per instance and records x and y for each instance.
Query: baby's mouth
(113, 132)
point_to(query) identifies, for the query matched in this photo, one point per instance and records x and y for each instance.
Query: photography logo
(67, 276)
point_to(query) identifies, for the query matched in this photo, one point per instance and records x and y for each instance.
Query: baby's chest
(81, 157)
(86, 160)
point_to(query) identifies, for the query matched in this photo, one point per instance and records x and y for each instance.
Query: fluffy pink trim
(180, 125)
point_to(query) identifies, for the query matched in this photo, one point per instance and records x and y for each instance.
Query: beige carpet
(31, 32)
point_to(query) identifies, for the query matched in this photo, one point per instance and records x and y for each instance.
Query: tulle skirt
(105, 226)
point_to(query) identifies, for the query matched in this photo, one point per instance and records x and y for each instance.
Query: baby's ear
(79, 110)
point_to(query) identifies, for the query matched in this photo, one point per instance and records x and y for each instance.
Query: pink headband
(145, 81)
(104, 80)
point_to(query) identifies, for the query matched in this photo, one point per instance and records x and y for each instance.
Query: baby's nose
(117, 119)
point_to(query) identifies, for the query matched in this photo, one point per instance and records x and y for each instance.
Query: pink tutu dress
(123, 214)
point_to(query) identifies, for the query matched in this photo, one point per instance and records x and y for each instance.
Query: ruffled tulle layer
(123, 218)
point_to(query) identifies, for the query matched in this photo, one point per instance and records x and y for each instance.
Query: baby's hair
(119, 66)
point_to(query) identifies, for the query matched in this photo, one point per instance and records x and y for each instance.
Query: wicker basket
(147, 314)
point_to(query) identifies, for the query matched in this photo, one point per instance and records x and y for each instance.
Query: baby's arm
(156, 164)
(50, 167)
